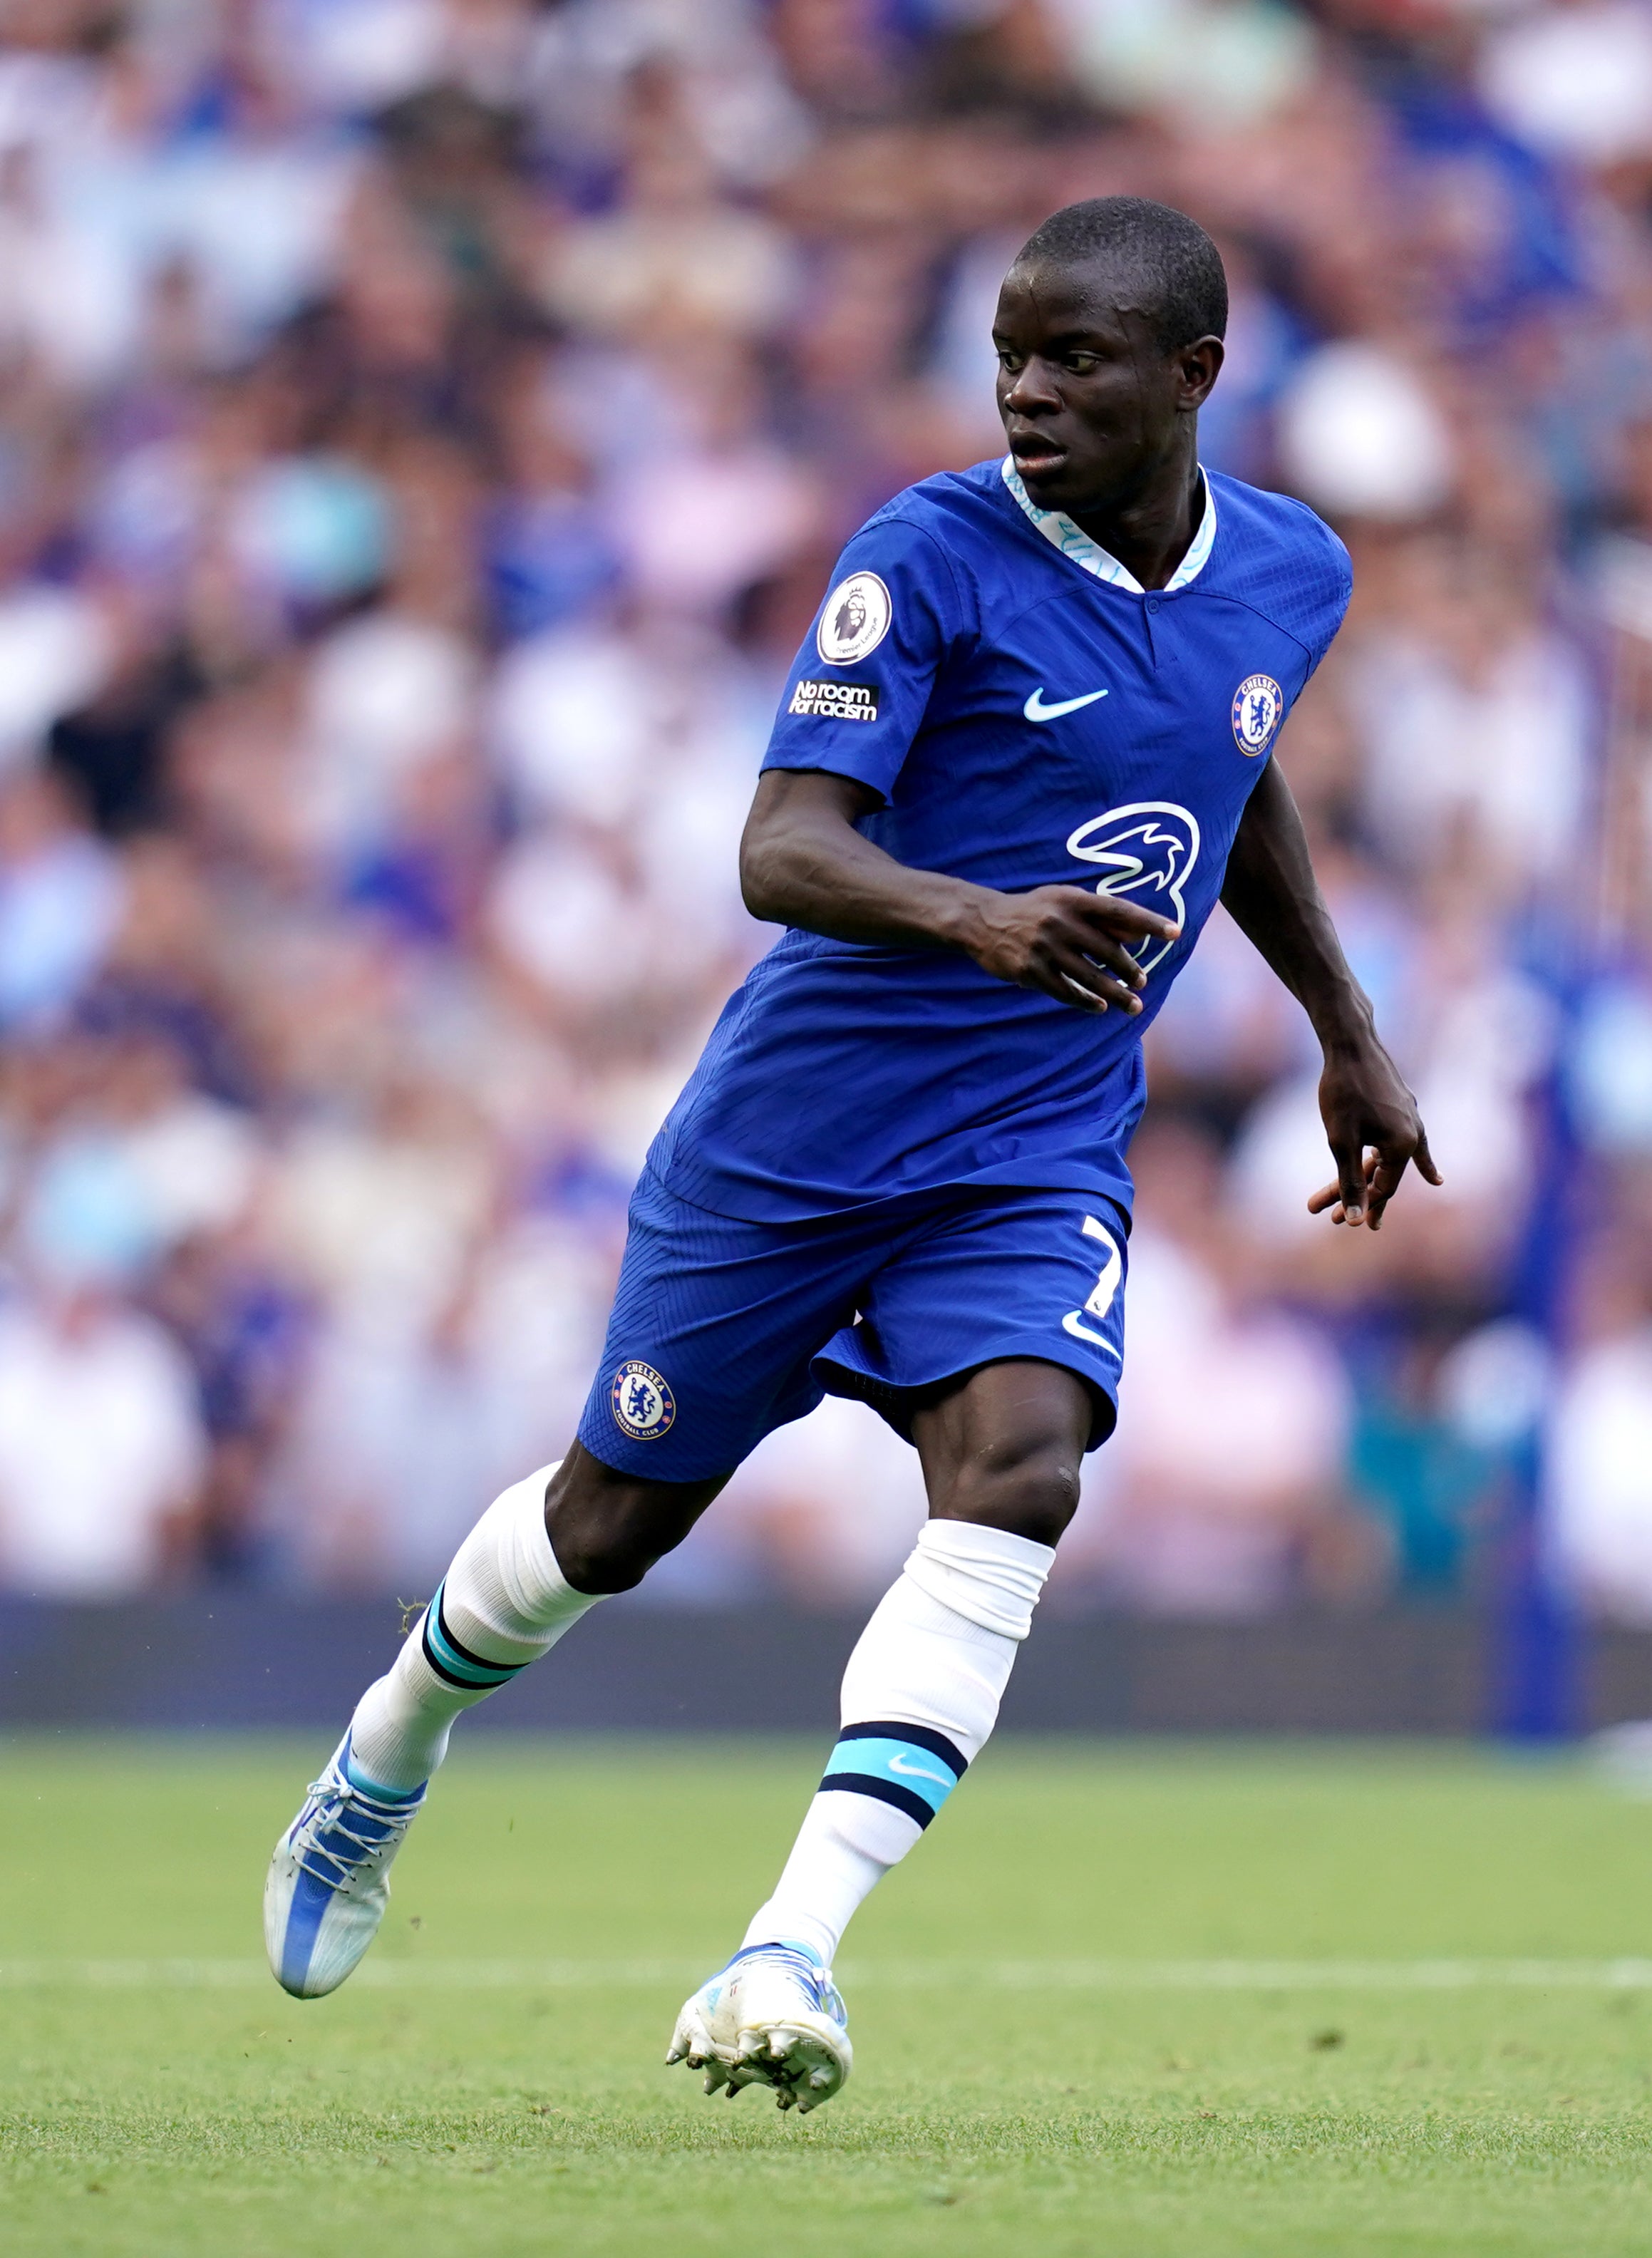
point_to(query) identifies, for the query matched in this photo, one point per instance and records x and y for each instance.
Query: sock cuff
(989, 1576)
(533, 1583)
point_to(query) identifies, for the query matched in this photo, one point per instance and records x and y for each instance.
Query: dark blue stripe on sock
(881, 1790)
(476, 1661)
(447, 1676)
(454, 1663)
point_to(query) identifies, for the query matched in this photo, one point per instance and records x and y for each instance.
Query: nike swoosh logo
(916, 1771)
(1036, 710)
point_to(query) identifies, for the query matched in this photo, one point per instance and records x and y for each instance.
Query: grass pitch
(1244, 2003)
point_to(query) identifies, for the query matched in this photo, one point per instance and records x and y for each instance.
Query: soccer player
(1023, 753)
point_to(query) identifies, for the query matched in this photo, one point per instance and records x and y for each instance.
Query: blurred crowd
(426, 428)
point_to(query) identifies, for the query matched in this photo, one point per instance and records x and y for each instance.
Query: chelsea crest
(643, 1406)
(1258, 703)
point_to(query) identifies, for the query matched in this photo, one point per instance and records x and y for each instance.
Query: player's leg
(732, 1312)
(541, 1556)
(1002, 1445)
(506, 1599)
(1002, 1455)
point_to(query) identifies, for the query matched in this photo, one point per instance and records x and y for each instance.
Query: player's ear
(1200, 365)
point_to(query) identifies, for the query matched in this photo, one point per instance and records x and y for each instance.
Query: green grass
(196, 2110)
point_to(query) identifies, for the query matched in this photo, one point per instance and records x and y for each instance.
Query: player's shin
(920, 1698)
(502, 1604)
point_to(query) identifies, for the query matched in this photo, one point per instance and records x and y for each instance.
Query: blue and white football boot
(328, 1887)
(772, 2017)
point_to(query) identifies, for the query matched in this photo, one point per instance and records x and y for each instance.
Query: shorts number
(1106, 1289)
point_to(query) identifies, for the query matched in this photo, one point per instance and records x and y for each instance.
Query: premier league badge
(1257, 704)
(854, 620)
(643, 1405)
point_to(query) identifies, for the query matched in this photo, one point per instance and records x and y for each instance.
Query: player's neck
(1151, 533)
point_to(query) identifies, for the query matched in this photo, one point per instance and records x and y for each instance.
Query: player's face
(1094, 408)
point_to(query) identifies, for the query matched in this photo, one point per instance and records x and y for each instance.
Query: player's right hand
(1071, 943)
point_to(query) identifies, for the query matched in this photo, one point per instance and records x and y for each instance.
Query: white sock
(502, 1604)
(920, 1697)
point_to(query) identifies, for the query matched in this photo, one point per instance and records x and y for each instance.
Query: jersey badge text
(835, 701)
(1258, 703)
(643, 1406)
(855, 620)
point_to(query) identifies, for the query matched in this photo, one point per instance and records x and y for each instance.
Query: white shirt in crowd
(1600, 1477)
(100, 1442)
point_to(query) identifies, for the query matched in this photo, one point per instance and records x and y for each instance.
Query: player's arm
(803, 862)
(1371, 1118)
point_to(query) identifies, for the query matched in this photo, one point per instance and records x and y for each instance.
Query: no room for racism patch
(835, 701)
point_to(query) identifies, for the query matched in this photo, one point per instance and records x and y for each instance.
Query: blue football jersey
(1027, 713)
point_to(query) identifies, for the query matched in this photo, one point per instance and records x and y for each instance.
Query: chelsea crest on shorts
(642, 1405)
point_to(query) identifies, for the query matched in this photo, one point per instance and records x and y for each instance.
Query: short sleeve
(858, 689)
(1338, 591)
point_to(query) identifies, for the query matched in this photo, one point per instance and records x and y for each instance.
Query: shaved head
(1158, 262)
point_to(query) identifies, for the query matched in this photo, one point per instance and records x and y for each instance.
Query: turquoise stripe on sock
(914, 1769)
(479, 1674)
(380, 1793)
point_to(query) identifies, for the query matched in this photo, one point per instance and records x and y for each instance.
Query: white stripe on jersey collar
(1073, 542)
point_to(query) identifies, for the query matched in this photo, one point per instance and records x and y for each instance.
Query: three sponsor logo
(1147, 850)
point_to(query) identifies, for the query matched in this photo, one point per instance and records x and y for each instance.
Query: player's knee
(607, 1531)
(599, 1562)
(1032, 1493)
(604, 1547)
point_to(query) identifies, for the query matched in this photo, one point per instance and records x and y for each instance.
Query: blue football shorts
(723, 1330)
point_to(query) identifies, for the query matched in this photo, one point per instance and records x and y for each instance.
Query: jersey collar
(1073, 542)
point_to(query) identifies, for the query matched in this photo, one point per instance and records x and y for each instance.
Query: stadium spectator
(424, 433)
(101, 1446)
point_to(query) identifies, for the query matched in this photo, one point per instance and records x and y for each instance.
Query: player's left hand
(1373, 1129)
